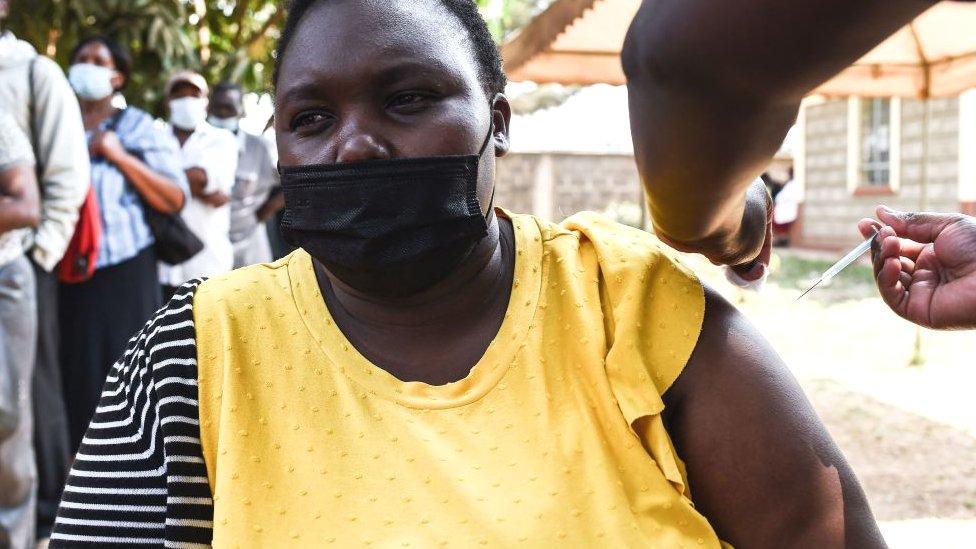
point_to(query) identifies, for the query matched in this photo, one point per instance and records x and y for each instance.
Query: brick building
(573, 157)
(555, 185)
(852, 154)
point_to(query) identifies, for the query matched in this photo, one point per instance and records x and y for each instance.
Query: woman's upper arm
(761, 466)
(139, 476)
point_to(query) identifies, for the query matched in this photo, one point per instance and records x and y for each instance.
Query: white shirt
(787, 203)
(213, 150)
(257, 174)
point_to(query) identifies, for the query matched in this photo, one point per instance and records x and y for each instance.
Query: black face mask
(389, 228)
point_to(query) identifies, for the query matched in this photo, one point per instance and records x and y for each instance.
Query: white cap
(193, 78)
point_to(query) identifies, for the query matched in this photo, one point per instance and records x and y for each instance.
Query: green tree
(506, 16)
(223, 39)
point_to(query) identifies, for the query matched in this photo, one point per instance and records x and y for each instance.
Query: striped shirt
(139, 478)
(124, 229)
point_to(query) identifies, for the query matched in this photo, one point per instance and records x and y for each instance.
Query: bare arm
(271, 206)
(197, 177)
(20, 205)
(714, 86)
(159, 193)
(156, 190)
(761, 466)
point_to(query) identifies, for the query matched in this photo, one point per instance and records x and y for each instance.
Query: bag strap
(113, 122)
(32, 122)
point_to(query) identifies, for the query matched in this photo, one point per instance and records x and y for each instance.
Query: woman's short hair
(120, 56)
(486, 53)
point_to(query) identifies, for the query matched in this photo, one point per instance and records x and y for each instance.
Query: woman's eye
(410, 100)
(306, 119)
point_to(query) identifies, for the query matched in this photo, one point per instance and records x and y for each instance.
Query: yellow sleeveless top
(553, 439)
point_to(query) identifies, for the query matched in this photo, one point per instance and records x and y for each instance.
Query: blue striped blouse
(124, 229)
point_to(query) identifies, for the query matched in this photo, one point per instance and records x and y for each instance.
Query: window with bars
(875, 143)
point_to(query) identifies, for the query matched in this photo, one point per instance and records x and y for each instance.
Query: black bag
(175, 242)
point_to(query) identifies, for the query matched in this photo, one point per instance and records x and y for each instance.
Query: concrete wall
(830, 211)
(557, 185)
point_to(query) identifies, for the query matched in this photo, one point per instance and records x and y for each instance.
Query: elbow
(177, 202)
(32, 217)
(173, 205)
(173, 198)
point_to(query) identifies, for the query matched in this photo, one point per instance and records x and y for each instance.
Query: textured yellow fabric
(308, 444)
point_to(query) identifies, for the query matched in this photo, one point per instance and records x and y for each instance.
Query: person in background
(251, 201)
(925, 266)
(785, 210)
(718, 76)
(19, 212)
(34, 91)
(209, 159)
(135, 165)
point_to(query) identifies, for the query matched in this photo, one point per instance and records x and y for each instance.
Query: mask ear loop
(484, 147)
(491, 131)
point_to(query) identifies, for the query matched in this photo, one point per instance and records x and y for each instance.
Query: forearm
(271, 206)
(157, 191)
(714, 87)
(16, 214)
(696, 162)
(19, 203)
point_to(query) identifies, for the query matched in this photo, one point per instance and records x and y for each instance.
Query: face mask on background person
(390, 228)
(230, 124)
(186, 113)
(91, 82)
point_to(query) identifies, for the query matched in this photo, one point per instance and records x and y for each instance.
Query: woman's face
(369, 79)
(97, 53)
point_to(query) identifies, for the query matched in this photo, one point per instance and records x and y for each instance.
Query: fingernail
(889, 211)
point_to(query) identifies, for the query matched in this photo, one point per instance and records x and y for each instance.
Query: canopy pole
(918, 356)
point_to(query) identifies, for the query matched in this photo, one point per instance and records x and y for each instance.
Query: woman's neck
(93, 112)
(463, 294)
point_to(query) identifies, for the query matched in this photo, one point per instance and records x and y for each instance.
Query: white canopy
(572, 42)
(579, 42)
(934, 56)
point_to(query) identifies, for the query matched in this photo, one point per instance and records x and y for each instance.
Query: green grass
(793, 272)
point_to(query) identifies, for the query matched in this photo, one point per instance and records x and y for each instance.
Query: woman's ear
(118, 81)
(501, 115)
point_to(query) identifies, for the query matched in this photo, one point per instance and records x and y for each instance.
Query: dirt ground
(908, 431)
(910, 466)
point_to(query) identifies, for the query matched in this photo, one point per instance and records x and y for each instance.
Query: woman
(429, 371)
(134, 166)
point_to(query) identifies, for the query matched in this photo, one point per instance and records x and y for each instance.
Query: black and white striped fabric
(139, 478)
